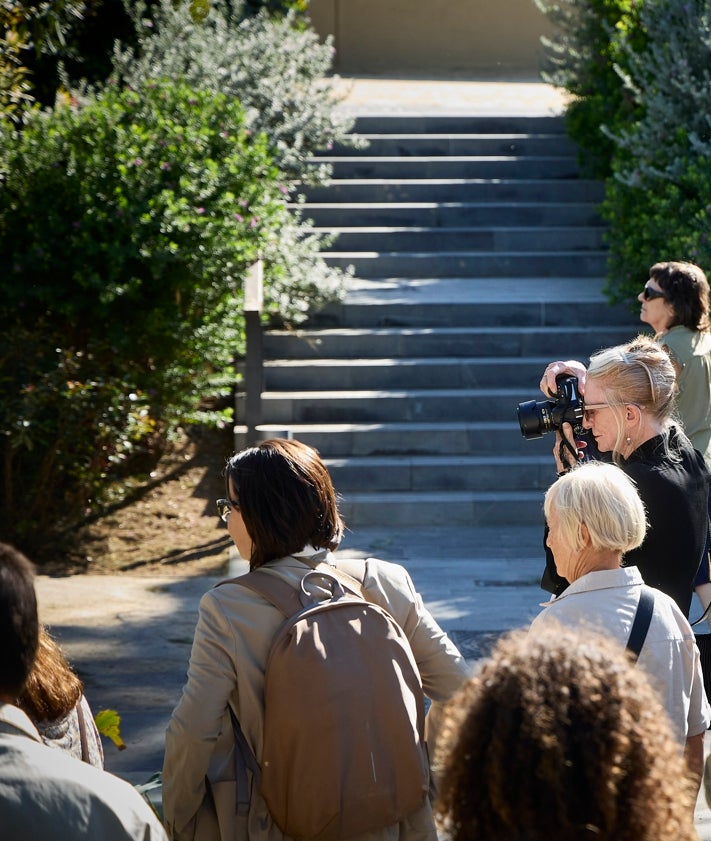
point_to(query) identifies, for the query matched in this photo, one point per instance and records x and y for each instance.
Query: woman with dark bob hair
(675, 303)
(560, 736)
(282, 514)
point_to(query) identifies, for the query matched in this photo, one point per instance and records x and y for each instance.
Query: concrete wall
(486, 37)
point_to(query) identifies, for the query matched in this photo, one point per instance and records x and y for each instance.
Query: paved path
(130, 636)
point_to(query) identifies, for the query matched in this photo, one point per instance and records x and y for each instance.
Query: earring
(628, 440)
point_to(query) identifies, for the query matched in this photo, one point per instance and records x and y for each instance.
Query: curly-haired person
(560, 736)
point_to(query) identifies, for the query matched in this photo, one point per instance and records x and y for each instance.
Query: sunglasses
(650, 294)
(224, 507)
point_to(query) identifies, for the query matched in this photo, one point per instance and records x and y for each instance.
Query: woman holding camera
(629, 393)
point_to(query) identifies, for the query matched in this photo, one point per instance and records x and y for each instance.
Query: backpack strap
(642, 618)
(244, 760)
(275, 590)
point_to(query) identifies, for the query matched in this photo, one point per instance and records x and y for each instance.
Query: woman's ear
(633, 413)
(584, 535)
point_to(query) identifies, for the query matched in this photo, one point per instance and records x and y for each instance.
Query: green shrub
(125, 229)
(583, 57)
(658, 203)
(275, 67)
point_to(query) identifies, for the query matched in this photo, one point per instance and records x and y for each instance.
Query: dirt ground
(172, 527)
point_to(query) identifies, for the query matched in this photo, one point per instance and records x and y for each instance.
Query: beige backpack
(344, 749)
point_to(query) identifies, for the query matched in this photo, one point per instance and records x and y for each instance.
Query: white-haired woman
(629, 401)
(595, 517)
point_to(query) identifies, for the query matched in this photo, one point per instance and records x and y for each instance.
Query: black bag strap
(703, 616)
(244, 760)
(642, 618)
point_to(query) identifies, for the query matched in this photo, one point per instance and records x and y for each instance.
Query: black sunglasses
(224, 507)
(650, 294)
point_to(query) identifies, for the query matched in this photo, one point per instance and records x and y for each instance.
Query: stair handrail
(254, 351)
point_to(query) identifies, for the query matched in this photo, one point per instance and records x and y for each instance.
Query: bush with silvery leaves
(275, 67)
(658, 203)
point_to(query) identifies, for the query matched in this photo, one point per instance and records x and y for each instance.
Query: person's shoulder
(378, 576)
(60, 781)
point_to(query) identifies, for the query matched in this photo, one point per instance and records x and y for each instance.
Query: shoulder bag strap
(642, 618)
(82, 732)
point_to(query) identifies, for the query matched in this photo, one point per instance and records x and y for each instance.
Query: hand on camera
(555, 369)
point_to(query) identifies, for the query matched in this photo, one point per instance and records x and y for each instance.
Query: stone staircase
(478, 258)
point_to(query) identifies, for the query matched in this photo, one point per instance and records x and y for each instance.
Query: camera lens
(534, 418)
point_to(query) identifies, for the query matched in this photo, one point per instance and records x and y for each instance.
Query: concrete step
(457, 124)
(403, 438)
(462, 508)
(423, 372)
(466, 189)
(372, 264)
(406, 145)
(574, 341)
(442, 473)
(473, 302)
(460, 166)
(392, 405)
(452, 214)
(530, 239)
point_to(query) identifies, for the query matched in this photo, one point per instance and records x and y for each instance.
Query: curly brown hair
(561, 737)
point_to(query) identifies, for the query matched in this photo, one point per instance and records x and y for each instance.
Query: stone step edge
(401, 362)
(433, 460)
(452, 229)
(375, 255)
(333, 332)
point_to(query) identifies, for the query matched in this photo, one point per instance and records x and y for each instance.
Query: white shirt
(607, 601)
(48, 795)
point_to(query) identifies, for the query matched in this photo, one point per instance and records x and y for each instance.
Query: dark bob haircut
(286, 499)
(687, 289)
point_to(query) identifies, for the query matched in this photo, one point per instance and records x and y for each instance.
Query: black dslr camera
(537, 418)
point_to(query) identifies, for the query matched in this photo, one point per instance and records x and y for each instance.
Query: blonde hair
(560, 737)
(606, 500)
(639, 373)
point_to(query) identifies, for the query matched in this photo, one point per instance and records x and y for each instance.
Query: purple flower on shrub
(199, 210)
(138, 161)
(238, 217)
(283, 190)
(165, 166)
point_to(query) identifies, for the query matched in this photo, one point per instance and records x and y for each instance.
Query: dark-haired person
(281, 512)
(560, 738)
(45, 794)
(675, 303)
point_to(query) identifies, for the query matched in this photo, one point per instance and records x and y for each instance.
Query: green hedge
(126, 226)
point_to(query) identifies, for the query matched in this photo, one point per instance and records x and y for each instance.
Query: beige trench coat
(234, 632)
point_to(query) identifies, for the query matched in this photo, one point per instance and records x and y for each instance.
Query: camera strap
(562, 455)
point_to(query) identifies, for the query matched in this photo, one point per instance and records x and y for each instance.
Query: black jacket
(674, 488)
